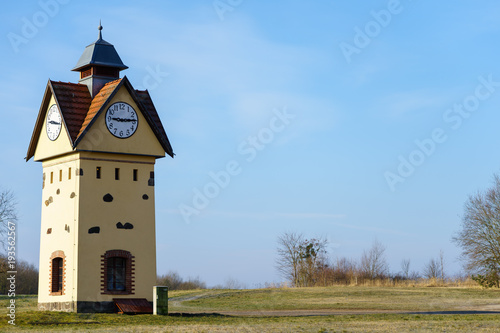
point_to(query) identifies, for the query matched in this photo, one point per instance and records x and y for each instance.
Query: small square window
(69, 173)
(151, 180)
(98, 172)
(135, 175)
(117, 173)
(51, 177)
(60, 175)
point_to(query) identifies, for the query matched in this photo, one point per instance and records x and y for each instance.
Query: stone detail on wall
(127, 225)
(107, 198)
(49, 201)
(57, 306)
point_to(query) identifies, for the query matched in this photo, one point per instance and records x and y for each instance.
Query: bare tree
(288, 261)
(373, 262)
(301, 261)
(405, 268)
(232, 283)
(441, 264)
(432, 269)
(480, 234)
(312, 261)
(8, 213)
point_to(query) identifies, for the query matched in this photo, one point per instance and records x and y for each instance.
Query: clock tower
(98, 141)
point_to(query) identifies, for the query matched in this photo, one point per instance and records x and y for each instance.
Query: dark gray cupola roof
(100, 53)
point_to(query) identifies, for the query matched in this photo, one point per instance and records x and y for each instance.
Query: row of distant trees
(27, 274)
(26, 277)
(305, 262)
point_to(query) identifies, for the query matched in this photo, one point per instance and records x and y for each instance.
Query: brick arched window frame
(117, 273)
(57, 273)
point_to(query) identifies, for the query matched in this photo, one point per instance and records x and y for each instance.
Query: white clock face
(121, 120)
(54, 122)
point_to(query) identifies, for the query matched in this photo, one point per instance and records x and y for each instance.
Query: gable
(46, 148)
(97, 138)
(73, 101)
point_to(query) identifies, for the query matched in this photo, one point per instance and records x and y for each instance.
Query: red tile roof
(97, 103)
(146, 100)
(74, 101)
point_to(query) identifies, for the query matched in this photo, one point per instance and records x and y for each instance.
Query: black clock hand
(54, 122)
(123, 119)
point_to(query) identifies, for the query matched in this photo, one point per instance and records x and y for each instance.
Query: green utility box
(160, 300)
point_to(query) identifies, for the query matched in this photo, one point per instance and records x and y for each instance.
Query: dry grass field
(332, 309)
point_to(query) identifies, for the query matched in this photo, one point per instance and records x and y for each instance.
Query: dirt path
(177, 302)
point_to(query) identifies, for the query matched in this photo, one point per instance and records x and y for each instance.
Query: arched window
(117, 272)
(57, 273)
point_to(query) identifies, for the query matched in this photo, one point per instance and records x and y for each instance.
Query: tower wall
(83, 215)
(109, 204)
(59, 231)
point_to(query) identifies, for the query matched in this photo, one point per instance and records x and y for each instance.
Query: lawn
(352, 298)
(252, 311)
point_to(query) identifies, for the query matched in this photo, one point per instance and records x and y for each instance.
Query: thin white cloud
(311, 215)
(378, 230)
(295, 216)
(401, 103)
(262, 215)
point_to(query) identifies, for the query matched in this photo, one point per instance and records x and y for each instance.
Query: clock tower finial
(100, 29)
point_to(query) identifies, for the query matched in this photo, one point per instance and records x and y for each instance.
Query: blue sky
(313, 107)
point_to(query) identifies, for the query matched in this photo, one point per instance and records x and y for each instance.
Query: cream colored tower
(98, 141)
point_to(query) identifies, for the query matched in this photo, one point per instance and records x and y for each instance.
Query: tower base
(79, 307)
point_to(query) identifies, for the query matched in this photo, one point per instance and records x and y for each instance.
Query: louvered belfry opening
(111, 73)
